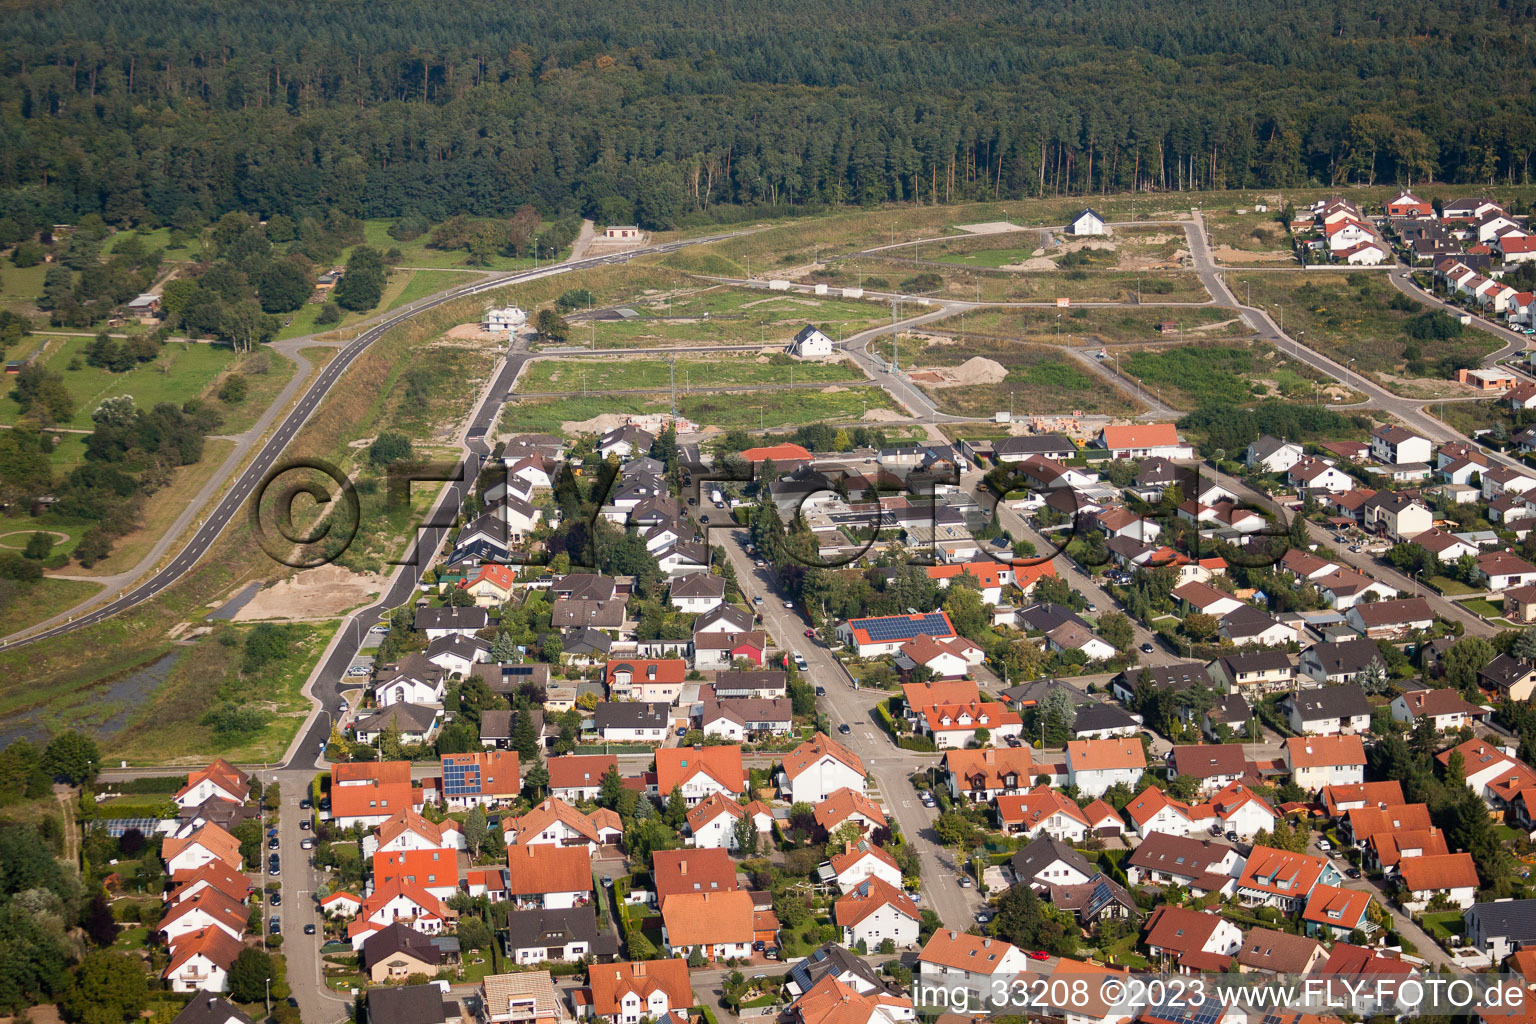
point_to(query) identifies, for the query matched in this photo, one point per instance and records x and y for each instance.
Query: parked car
(1353, 873)
(306, 844)
(965, 882)
(790, 605)
(810, 634)
(844, 729)
(304, 804)
(272, 843)
(277, 899)
(1038, 954)
(1012, 741)
(1233, 837)
(309, 929)
(821, 691)
(1324, 845)
(304, 824)
(357, 670)
(983, 916)
(757, 599)
(275, 926)
(1147, 648)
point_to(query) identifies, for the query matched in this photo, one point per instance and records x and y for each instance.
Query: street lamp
(269, 996)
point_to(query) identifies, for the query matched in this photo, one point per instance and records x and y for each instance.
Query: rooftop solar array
(115, 827)
(461, 779)
(885, 630)
(1181, 1008)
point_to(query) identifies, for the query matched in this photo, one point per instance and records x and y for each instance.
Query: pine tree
(677, 808)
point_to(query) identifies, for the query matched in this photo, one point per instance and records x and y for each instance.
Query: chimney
(953, 935)
(986, 943)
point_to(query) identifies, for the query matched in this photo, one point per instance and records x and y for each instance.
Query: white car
(1324, 845)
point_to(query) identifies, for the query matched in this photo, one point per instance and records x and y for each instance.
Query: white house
(811, 343)
(955, 958)
(1093, 766)
(874, 911)
(1087, 223)
(1318, 761)
(697, 592)
(219, 781)
(862, 860)
(1273, 454)
(505, 319)
(407, 688)
(1451, 875)
(712, 821)
(1392, 446)
(200, 961)
(818, 768)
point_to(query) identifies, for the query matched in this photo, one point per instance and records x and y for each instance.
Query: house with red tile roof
(785, 456)
(1186, 941)
(719, 925)
(691, 871)
(984, 775)
(369, 793)
(553, 877)
(1282, 879)
(1144, 440)
(1340, 800)
(436, 871)
(944, 659)
(574, 777)
(396, 900)
(1094, 766)
(1042, 810)
(648, 680)
(185, 855)
(849, 805)
(1318, 761)
(1387, 850)
(832, 1001)
(219, 781)
(1333, 912)
(207, 909)
(215, 875)
(818, 768)
(626, 992)
(700, 771)
(952, 726)
(1361, 823)
(1452, 876)
(712, 822)
(874, 911)
(862, 860)
(555, 822)
(200, 961)
(480, 778)
(408, 830)
(953, 957)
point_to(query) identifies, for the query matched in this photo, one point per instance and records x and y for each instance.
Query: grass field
(181, 371)
(1234, 374)
(266, 373)
(725, 316)
(611, 375)
(1079, 285)
(1042, 380)
(425, 282)
(1107, 326)
(1360, 318)
(159, 238)
(727, 410)
(1255, 238)
(415, 252)
(20, 288)
(39, 600)
(170, 727)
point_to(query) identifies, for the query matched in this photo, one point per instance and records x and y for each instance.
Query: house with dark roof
(1277, 952)
(538, 935)
(1254, 671)
(411, 1004)
(446, 621)
(1099, 899)
(1500, 927)
(1338, 661)
(1186, 941)
(1328, 711)
(207, 1008)
(633, 722)
(1047, 861)
(1200, 865)
(397, 951)
(1176, 678)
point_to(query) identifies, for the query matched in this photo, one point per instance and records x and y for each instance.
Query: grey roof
(1343, 657)
(1088, 899)
(587, 640)
(1180, 676)
(408, 718)
(1344, 701)
(1506, 919)
(574, 613)
(456, 617)
(207, 1008)
(1232, 709)
(1094, 717)
(399, 938)
(1046, 617)
(632, 716)
(1043, 852)
(1184, 856)
(411, 1004)
(471, 648)
(528, 929)
(505, 679)
(496, 724)
(739, 619)
(585, 587)
(755, 680)
(1266, 446)
(699, 584)
(833, 959)
(1038, 444)
(1246, 621)
(1035, 692)
(1255, 661)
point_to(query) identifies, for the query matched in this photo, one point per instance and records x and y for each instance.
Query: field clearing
(181, 371)
(415, 253)
(1100, 326)
(1079, 285)
(1041, 380)
(1361, 319)
(158, 238)
(426, 282)
(40, 600)
(608, 375)
(1259, 234)
(1192, 375)
(726, 316)
(266, 373)
(726, 410)
(20, 288)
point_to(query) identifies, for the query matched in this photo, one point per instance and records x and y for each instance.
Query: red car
(1039, 954)
(810, 634)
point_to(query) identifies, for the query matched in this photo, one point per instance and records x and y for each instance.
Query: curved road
(256, 470)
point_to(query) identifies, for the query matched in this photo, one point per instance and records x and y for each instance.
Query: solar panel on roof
(115, 827)
(461, 779)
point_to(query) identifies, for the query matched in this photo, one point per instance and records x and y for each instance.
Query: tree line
(417, 108)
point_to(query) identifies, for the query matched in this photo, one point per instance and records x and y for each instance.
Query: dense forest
(665, 110)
